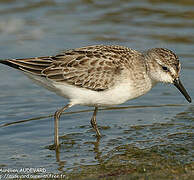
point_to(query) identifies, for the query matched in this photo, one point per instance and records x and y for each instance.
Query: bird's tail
(29, 65)
(9, 63)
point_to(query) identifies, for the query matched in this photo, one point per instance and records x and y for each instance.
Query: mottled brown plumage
(93, 67)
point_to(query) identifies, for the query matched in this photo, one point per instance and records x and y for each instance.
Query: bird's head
(164, 66)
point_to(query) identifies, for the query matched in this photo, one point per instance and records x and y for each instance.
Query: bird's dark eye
(164, 68)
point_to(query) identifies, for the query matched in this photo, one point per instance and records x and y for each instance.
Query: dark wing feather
(30, 65)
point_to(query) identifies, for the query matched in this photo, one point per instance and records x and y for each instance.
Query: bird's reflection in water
(96, 150)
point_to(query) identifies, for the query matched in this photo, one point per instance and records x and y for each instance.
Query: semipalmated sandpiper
(101, 75)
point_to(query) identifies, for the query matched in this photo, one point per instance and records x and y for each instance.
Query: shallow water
(162, 118)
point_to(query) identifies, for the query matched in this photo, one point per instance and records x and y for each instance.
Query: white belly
(119, 94)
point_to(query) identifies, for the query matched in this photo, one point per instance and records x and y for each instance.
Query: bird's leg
(94, 124)
(56, 117)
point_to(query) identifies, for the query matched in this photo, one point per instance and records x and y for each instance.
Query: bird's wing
(93, 67)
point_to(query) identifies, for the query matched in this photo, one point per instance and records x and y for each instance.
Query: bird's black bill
(181, 88)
